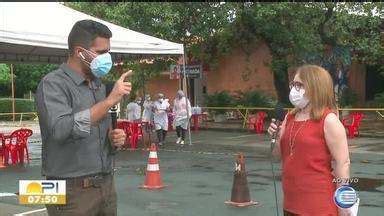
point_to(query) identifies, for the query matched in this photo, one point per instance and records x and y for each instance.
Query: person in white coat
(160, 109)
(147, 112)
(182, 112)
(134, 110)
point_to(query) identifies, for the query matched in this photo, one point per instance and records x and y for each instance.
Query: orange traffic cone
(240, 192)
(153, 177)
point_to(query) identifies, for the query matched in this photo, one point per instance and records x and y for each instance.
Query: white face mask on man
(297, 98)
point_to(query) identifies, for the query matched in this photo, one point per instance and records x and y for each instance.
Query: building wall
(162, 84)
(232, 73)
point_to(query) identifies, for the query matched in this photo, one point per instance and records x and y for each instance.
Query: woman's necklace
(292, 140)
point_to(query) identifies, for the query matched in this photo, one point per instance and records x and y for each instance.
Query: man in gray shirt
(77, 138)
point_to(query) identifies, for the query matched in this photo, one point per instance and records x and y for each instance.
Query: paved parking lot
(199, 177)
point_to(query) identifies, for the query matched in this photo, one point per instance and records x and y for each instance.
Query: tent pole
(13, 94)
(186, 98)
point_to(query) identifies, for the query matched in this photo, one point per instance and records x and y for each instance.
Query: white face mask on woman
(297, 98)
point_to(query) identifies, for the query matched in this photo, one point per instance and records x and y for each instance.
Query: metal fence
(242, 113)
(21, 115)
(232, 113)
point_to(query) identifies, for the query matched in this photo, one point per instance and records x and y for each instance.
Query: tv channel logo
(42, 192)
(345, 196)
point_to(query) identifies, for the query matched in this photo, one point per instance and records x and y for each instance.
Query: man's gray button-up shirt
(72, 147)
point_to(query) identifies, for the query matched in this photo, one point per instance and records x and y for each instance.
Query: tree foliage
(5, 76)
(28, 76)
(295, 33)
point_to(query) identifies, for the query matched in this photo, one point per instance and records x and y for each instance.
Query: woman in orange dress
(312, 144)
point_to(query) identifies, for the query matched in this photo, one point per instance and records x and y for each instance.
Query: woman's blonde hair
(318, 86)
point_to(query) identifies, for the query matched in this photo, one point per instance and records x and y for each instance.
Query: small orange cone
(240, 192)
(153, 177)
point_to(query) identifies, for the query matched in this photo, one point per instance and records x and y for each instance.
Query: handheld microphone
(112, 111)
(279, 114)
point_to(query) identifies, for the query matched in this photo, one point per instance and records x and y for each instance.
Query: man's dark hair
(84, 32)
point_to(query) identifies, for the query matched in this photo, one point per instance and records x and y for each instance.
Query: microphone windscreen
(108, 88)
(279, 112)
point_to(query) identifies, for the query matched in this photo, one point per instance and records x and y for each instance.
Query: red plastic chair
(140, 125)
(126, 127)
(2, 150)
(251, 122)
(352, 123)
(134, 131)
(22, 136)
(196, 119)
(10, 149)
(259, 125)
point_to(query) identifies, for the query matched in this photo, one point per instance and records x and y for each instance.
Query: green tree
(295, 33)
(187, 23)
(298, 33)
(180, 22)
(5, 79)
(5, 76)
(28, 76)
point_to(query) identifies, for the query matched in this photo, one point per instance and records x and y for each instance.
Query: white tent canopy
(37, 32)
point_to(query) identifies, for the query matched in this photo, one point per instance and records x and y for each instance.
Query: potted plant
(379, 100)
(254, 98)
(219, 99)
